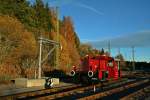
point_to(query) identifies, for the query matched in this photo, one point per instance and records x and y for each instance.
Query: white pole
(94, 89)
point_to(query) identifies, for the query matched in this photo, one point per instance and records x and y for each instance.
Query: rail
(143, 93)
(74, 91)
(112, 91)
(36, 93)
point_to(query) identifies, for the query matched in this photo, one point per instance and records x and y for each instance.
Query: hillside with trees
(21, 24)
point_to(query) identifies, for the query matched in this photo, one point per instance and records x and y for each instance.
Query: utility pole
(133, 60)
(119, 54)
(40, 58)
(57, 38)
(109, 48)
(119, 51)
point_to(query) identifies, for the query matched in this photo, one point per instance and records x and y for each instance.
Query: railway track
(140, 94)
(115, 93)
(37, 93)
(45, 92)
(81, 92)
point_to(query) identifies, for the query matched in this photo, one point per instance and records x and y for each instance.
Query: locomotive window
(110, 63)
(93, 57)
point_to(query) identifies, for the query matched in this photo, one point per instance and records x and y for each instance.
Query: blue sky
(98, 21)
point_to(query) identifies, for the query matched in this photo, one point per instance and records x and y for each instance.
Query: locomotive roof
(102, 57)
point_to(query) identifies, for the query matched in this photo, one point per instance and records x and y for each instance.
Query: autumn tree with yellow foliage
(20, 26)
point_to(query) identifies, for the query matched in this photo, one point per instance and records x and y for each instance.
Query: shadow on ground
(61, 75)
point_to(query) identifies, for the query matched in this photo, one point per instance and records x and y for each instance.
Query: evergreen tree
(120, 56)
(102, 52)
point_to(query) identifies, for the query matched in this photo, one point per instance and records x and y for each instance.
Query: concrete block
(35, 82)
(24, 82)
(20, 82)
(55, 81)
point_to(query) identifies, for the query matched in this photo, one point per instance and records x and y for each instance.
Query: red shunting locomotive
(99, 67)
